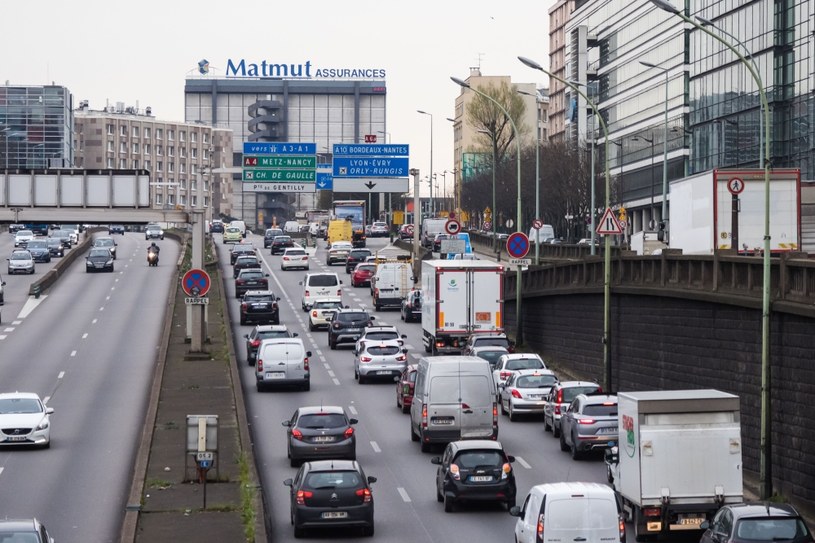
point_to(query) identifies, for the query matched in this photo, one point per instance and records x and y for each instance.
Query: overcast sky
(141, 51)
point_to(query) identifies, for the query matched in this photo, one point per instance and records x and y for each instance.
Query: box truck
(459, 298)
(678, 460)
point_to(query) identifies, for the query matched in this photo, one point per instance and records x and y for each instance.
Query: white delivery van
(431, 227)
(240, 225)
(282, 361)
(391, 284)
(291, 227)
(320, 285)
(542, 234)
(586, 512)
(455, 398)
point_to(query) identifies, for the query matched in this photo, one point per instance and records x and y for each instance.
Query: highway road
(406, 508)
(88, 347)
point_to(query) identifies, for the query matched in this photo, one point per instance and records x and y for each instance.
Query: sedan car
(559, 399)
(107, 243)
(22, 237)
(250, 279)
(241, 249)
(509, 363)
(55, 246)
(474, 470)
(339, 252)
(39, 250)
(233, 234)
(269, 235)
(379, 229)
(347, 325)
(362, 274)
(405, 387)
(261, 332)
(322, 311)
(756, 522)
(589, 424)
(245, 263)
(525, 392)
(320, 432)
(24, 531)
(116, 229)
(294, 257)
(20, 261)
(411, 310)
(99, 259)
(331, 494)
(379, 359)
(355, 257)
(280, 244)
(481, 339)
(260, 306)
(153, 231)
(63, 236)
(24, 420)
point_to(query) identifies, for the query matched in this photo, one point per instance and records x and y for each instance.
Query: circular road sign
(537, 224)
(510, 223)
(452, 215)
(409, 229)
(487, 225)
(452, 226)
(735, 186)
(196, 282)
(518, 245)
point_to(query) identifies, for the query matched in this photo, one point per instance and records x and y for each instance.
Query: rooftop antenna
(480, 56)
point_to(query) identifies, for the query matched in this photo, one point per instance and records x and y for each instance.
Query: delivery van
(542, 234)
(282, 361)
(391, 284)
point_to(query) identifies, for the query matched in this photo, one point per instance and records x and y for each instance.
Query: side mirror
(308, 354)
(705, 525)
(436, 460)
(373, 318)
(49, 410)
(294, 334)
(515, 511)
(277, 298)
(510, 458)
(404, 336)
(288, 482)
(353, 421)
(266, 275)
(340, 281)
(371, 480)
(404, 351)
(286, 423)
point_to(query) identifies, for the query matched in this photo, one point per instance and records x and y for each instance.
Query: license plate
(481, 478)
(534, 396)
(323, 439)
(354, 330)
(607, 431)
(16, 438)
(384, 372)
(442, 421)
(275, 375)
(335, 514)
(691, 521)
(258, 306)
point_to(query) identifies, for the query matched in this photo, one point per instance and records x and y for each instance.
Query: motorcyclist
(153, 248)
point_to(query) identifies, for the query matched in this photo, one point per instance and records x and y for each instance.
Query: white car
(509, 363)
(338, 252)
(321, 313)
(24, 420)
(381, 333)
(525, 392)
(294, 257)
(22, 237)
(379, 229)
(380, 359)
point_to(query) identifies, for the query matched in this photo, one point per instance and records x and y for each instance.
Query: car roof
(519, 373)
(570, 384)
(594, 399)
(491, 335)
(249, 270)
(260, 292)
(271, 327)
(486, 348)
(18, 525)
(521, 356)
(480, 444)
(380, 328)
(352, 310)
(317, 409)
(763, 509)
(329, 300)
(571, 488)
(293, 249)
(20, 395)
(332, 465)
(379, 343)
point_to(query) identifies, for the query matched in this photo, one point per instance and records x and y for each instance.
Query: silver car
(379, 359)
(525, 392)
(589, 424)
(21, 261)
(22, 237)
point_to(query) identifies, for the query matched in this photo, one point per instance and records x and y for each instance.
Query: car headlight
(44, 424)
(88, 263)
(109, 262)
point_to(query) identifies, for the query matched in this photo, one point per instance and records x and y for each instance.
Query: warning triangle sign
(609, 225)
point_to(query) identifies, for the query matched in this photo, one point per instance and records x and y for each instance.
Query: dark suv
(260, 306)
(346, 326)
(251, 279)
(245, 263)
(269, 235)
(280, 244)
(116, 229)
(356, 256)
(474, 470)
(241, 249)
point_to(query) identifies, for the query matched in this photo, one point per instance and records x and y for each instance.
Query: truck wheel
(638, 536)
(413, 436)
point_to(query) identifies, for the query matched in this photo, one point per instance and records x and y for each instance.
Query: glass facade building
(36, 126)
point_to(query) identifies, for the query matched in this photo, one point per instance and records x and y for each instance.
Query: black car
(55, 246)
(412, 306)
(331, 494)
(241, 249)
(346, 326)
(216, 227)
(261, 332)
(756, 522)
(245, 263)
(14, 228)
(63, 236)
(281, 243)
(39, 250)
(269, 235)
(356, 256)
(320, 432)
(250, 279)
(260, 306)
(474, 470)
(99, 259)
(116, 229)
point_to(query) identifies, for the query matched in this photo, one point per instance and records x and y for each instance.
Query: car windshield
(770, 529)
(232, 230)
(359, 254)
(273, 233)
(570, 393)
(100, 252)
(257, 297)
(332, 479)
(382, 335)
(366, 268)
(524, 364)
(352, 317)
(322, 420)
(20, 256)
(243, 249)
(473, 459)
(36, 244)
(250, 275)
(271, 334)
(600, 410)
(282, 239)
(24, 233)
(383, 350)
(10, 406)
(535, 381)
(247, 260)
(491, 356)
(104, 243)
(322, 281)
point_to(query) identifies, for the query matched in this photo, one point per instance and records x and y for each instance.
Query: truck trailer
(459, 298)
(354, 211)
(678, 460)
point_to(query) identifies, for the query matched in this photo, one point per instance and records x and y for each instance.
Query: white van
(391, 284)
(455, 398)
(282, 361)
(431, 227)
(240, 225)
(291, 227)
(586, 512)
(541, 235)
(320, 285)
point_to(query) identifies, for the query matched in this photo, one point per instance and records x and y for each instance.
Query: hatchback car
(250, 279)
(216, 227)
(331, 494)
(355, 257)
(153, 231)
(99, 259)
(24, 420)
(379, 359)
(294, 257)
(321, 313)
(509, 363)
(22, 237)
(24, 531)
(405, 387)
(55, 246)
(39, 250)
(320, 432)
(479, 340)
(339, 252)
(241, 249)
(269, 235)
(379, 229)
(280, 244)
(756, 522)
(260, 306)
(525, 392)
(347, 326)
(245, 263)
(560, 397)
(475, 470)
(362, 274)
(261, 332)
(232, 234)
(20, 261)
(116, 229)
(107, 243)
(589, 424)
(411, 310)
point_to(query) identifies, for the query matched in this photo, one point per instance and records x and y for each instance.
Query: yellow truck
(339, 230)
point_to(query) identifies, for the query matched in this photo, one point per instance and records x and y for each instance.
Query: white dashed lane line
(11, 329)
(1, 471)
(61, 375)
(523, 462)
(327, 366)
(73, 353)
(3, 336)
(85, 335)
(336, 381)
(375, 447)
(352, 410)
(404, 494)
(15, 323)
(94, 321)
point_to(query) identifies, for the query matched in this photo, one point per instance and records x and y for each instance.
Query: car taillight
(313, 313)
(557, 409)
(239, 281)
(365, 358)
(516, 394)
(652, 512)
(339, 292)
(586, 421)
(285, 258)
(244, 305)
(424, 416)
(622, 528)
(297, 434)
(260, 365)
(307, 294)
(255, 343)
(504, 375)
(365, 494)
(455, 472)
(305, 364)
(348, 433)
(439, 343)
(401, 358)
(303, 495)
(559, 397)
(376, 292)
(506, 469)
(539, 532)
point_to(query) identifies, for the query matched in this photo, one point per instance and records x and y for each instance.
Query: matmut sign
(298, 70)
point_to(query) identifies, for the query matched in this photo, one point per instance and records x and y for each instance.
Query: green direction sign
(279, 175)
(279, 161)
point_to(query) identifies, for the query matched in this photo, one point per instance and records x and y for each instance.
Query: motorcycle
(152, 258)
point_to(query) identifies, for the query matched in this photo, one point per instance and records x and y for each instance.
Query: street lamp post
(519, 334)
(765, 475)
(537, 172)
(664, 146)
(432, 207)
(494, 215)
(607, 247)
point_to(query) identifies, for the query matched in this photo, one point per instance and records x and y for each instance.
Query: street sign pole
(197, 312)
(416, 224)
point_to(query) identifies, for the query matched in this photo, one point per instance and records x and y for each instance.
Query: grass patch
(248, 492)
(160, 484)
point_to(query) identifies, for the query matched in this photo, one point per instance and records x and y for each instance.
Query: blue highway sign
(370, 167)
(370, 149)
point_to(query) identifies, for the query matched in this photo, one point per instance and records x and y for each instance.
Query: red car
(361, 276)
(405, 386)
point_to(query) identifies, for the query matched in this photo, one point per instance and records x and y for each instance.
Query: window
(147, 133)
(122, 163)
(147, 148)
(170, 150)
(109, 129)
(171, 199)
(206, 201)
(109, 163)
(194, 152)
(159, 150)
(159, 199)
(182, 200)
(123, 147)
(170, 135)
(170, 167)
(194, 184)
(194, 201)
(159, 133)
(110, 146)
(159, 166)
(123, 130)
(135, 148)
(182, 167)
(193, 137)
(182, 135)
(135, 132)
(182, 152)
(147, 164)
(206, 137)
(205, 154)
(136, 164)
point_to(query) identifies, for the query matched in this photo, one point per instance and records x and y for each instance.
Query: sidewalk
(166, 501)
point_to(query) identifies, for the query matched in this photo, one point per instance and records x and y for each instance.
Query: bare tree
(483, 114)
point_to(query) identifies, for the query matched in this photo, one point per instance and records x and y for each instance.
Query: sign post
(196, 314)
(735, 186)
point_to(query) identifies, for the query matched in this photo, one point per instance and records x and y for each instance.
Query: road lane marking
(93, 321)
(404, 494)
(523, 462)
(15, 323)
(102, 308)
(1, 471)
(375, 447)
(85, 335)
(352, 410)
(327, 366)
(9, 329)
(73, 353)
(336, 381)
(30, 305)
(331, 373)
(4, 336)
(45, 401)
(107, 297)
(61, 375)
